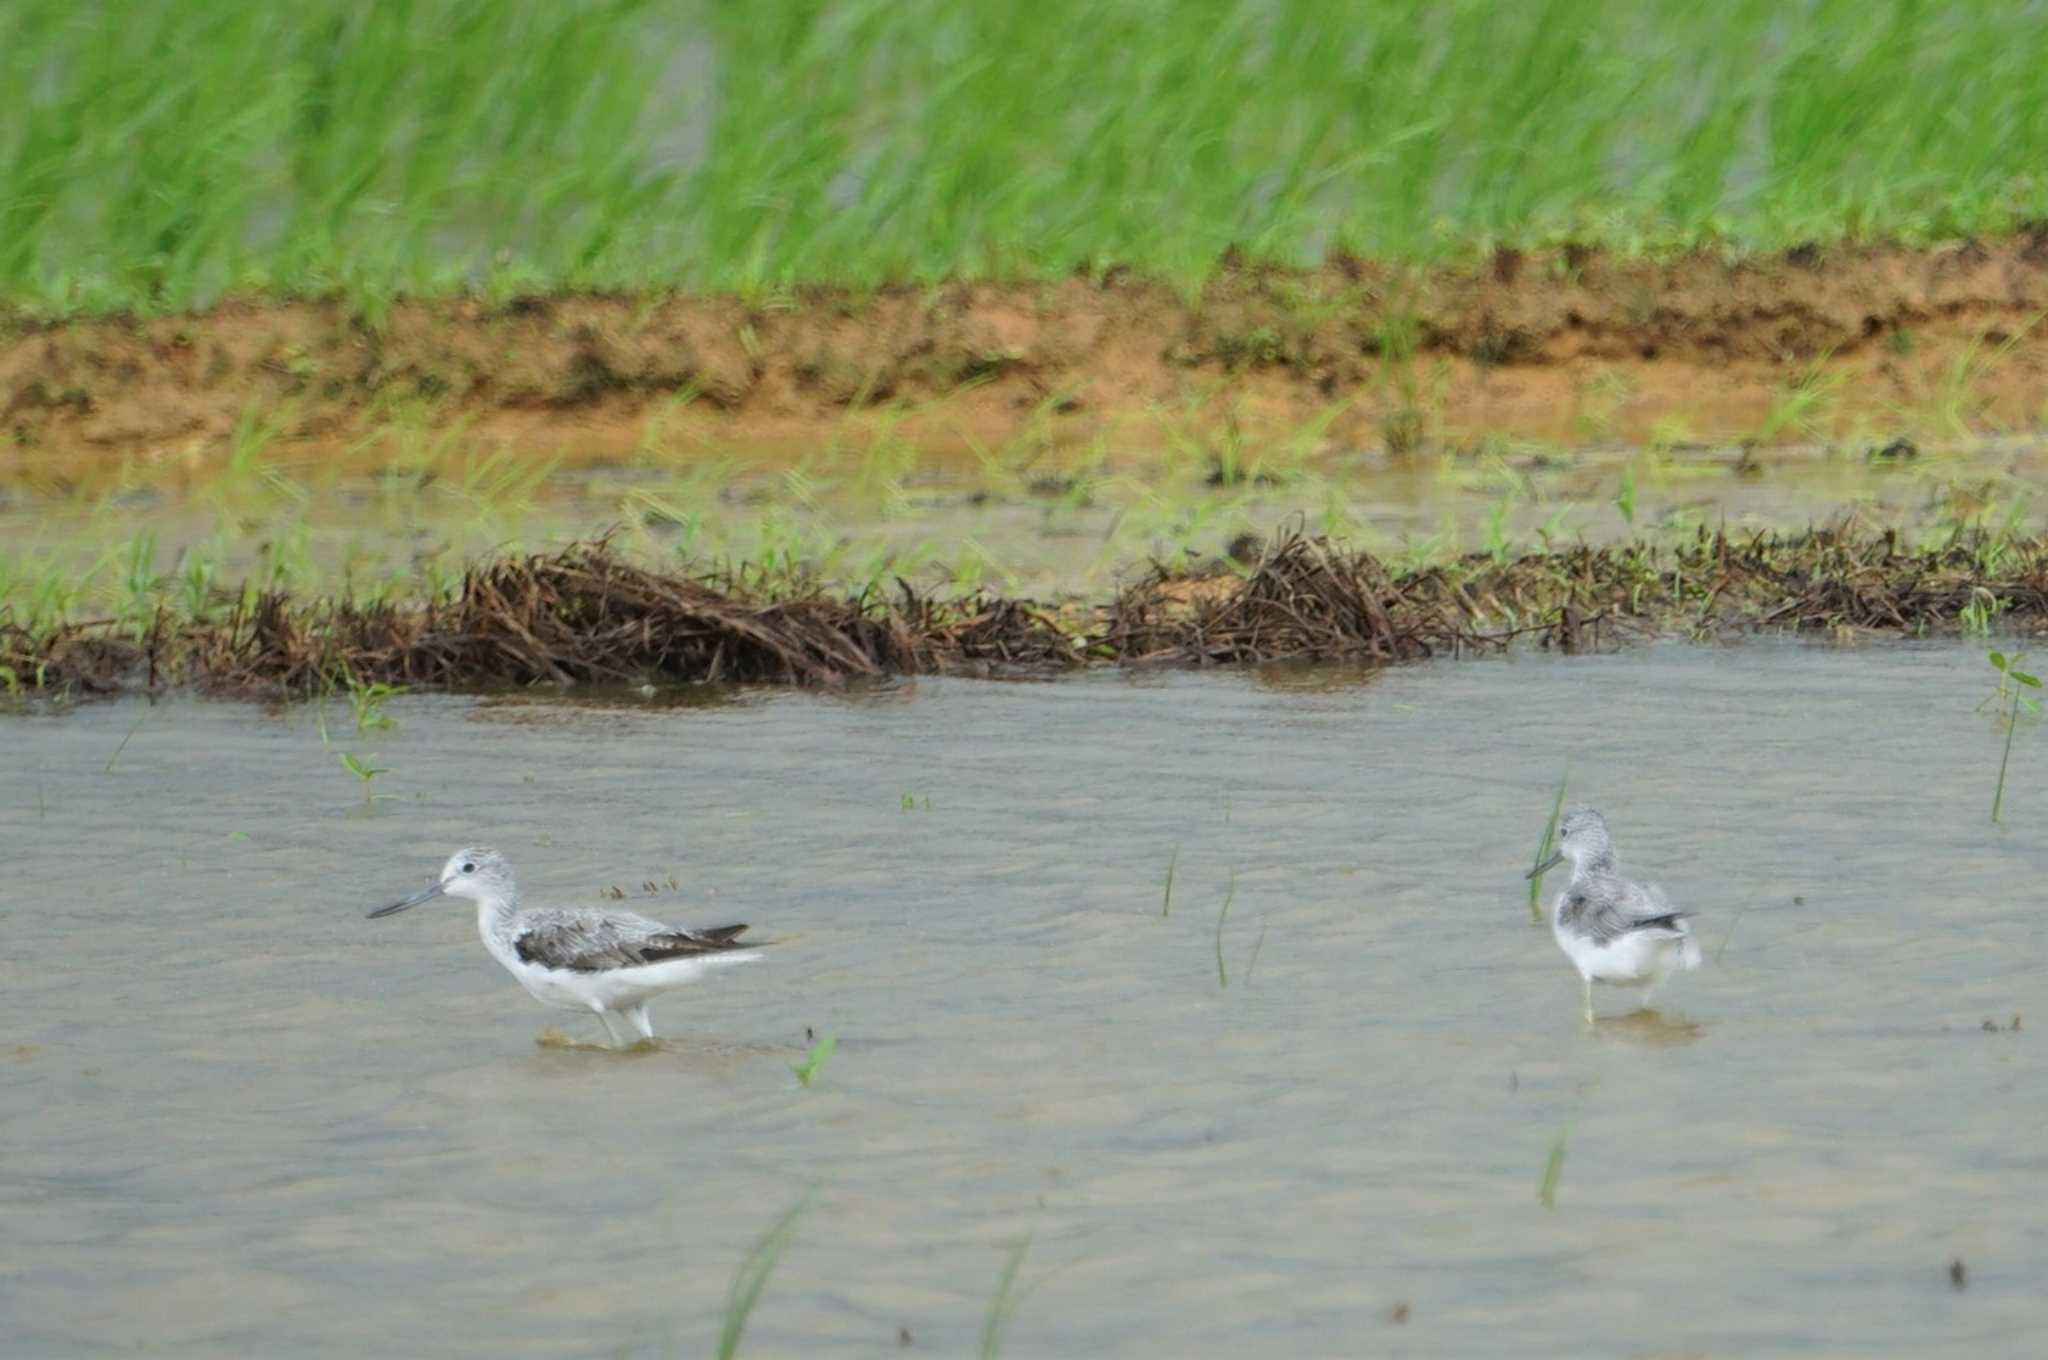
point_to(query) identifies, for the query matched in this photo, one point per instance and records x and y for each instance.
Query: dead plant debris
(587, 616)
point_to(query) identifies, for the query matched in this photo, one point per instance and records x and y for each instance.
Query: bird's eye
(469, 868)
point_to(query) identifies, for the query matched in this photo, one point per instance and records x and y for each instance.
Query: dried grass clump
(588, 616)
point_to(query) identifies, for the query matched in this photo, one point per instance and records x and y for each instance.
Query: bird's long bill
(1550, 863)
(426, 894)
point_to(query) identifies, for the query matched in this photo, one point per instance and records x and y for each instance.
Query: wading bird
(608, 962)
(1613, 929)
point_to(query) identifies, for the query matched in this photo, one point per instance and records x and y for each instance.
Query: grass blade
(752, 1276)
(1553, 1167)
(1229, 896)
(1166, 899)
(2012, 725)
(1003, 1306)
(1543, 846)
(138, 727)
(807, 1070)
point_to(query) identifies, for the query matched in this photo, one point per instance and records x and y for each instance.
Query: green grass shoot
(366, 701)
(1229, 896)
(1166, 898)
(2012, 702)
(1625, 494)
(1553, 1168)
(364, 772)
(133, 728)
(814, 1061)
(752, 1276)
(1002, 1308)
(1543, 847)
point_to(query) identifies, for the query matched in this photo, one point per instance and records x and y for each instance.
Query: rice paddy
(656, 423)
(164, 158)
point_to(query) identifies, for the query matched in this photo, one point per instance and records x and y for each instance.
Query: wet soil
(1571, 346)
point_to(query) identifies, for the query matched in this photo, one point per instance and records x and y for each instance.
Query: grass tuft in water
(1166, 898)
(752, 1276)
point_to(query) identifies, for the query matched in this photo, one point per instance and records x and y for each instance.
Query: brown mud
(1570, 347)
(587, 616)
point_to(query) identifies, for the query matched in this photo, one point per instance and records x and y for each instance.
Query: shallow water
(947, 528)
(241, 1119)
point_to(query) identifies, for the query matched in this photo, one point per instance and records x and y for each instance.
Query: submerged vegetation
(2011, 700)
(164, 156)
(1544, 844)
(589, 615)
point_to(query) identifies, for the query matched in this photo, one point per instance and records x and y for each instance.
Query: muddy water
(240, 1119)
(939, 521)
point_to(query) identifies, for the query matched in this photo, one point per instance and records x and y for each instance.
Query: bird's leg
(638, 1015)
(611, 1027)
(1589, 1001)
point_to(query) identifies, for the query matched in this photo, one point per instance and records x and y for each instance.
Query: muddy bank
(587, 616)
(1569, 347)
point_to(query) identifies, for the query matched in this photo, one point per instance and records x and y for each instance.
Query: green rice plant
(1002, 1307)
(1166, 898)
(197, 581)
(751, 1278)
(1544, 845)
(1497, 546)
(1625, 494)
(501, 482)
(1957, 401)
(142, 588)
(814, 1061)
(1805, 404)
(2012, 701)
(164, 156)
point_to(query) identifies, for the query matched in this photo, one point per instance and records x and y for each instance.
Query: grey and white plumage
(609, 962)
(1613, 928)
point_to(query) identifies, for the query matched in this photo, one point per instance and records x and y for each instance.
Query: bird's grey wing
(591, 942)
(1609, 908)
(1650, 909)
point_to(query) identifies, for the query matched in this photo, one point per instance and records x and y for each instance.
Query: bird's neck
(1599, 862)
(494, 918)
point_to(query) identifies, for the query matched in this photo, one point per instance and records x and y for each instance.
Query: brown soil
(1572, 347)
(586, 616)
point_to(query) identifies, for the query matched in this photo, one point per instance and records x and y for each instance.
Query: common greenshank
(1612, 928)
(609, 962)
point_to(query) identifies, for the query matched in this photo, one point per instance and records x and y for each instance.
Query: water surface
(241, 1119)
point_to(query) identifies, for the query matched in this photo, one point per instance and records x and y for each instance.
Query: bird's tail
(1688, 948)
